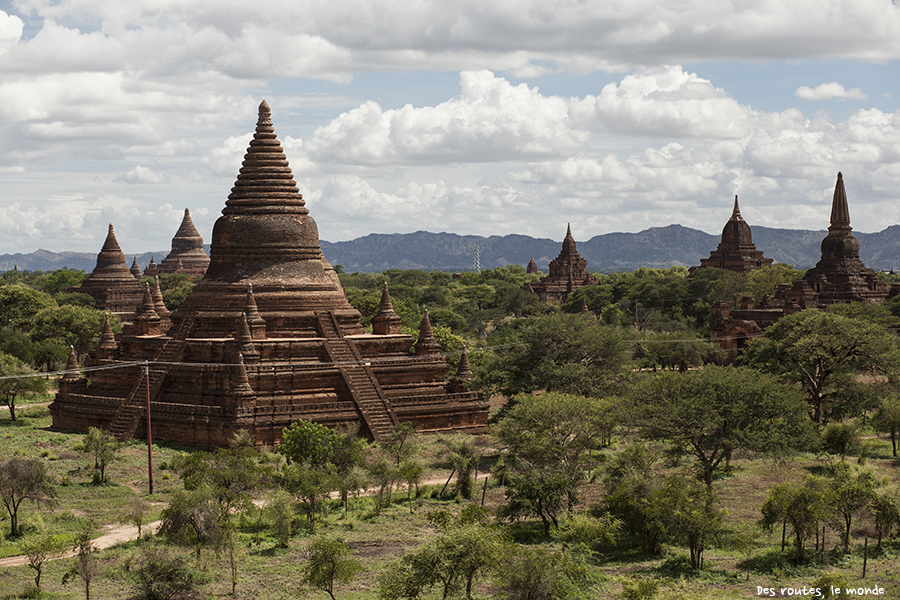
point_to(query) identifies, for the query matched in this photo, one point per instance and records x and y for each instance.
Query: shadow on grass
(780, 564)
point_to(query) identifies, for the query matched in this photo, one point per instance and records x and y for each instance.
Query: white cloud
(667, 102)
(141, 174)
(829, 91)
(491, 120)
(11, 28)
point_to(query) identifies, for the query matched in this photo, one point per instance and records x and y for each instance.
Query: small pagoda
(736, 251)
(568, 272)
(112, 284)
(265, 339)
(187, 255)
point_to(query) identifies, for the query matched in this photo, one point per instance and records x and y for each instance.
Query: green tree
(559, 353)
(801, 505)
(850, 492)
(311, 485)
(547, 439)
(329, 561)
(540, 574)
(311, 473)
(463, 455)
(634, 496)
(717, 410)
(23, 479)
(158, 575)
(104, 448)
(39, 549)
(135, 513)
(77, 326)
(886, 511)
(348, 454)
(888, 417)
(85, 567)
(307, 443)
(823, 352)
(19, 304)
(192, 517)
(840, 438)
(452, 560)
(693, 518)
(16, 379)
(60, 281)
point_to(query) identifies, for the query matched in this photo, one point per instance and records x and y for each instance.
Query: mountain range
(654, 247)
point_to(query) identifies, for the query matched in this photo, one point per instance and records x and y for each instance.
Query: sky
(465, 116)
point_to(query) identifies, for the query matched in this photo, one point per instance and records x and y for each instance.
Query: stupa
(839, 276)
(568, 272)
(736, 251)
(266, 338)
(187, 255)
(111, 284)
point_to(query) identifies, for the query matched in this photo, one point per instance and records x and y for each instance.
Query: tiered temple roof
(187, 255)
(111, 284)
(736, 251)
(267, 338)
(840, 276)
(568, 272)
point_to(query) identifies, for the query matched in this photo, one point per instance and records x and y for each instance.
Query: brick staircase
(374, 406)
(125, 422)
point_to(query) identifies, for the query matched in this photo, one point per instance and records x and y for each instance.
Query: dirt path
(115, 535)
(126, 533)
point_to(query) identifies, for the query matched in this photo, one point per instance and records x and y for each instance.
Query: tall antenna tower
(476, 262)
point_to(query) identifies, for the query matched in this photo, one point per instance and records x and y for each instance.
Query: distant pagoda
(265, 339)
(736, 251)
(839, 277)
(187, 255)
(568, 272)
(111, 284)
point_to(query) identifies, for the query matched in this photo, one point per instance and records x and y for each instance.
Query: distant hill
(654, 247)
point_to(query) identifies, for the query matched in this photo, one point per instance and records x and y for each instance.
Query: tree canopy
(823, 352)
(716, 410)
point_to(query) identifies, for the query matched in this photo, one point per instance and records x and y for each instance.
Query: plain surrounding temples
(568, 272)
(265, 339)
(736, 251)
(839, 276)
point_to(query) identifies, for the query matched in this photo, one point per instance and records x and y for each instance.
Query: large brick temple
(266, 338)
(839, 276)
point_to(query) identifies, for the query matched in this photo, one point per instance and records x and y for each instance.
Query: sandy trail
(114, 535)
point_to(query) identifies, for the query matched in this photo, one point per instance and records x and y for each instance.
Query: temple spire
(386, 321)
(427, 345)
(463, 370)
(136, 269)
(736, 213)
(107, 338)
(265, 175)
(840, 213)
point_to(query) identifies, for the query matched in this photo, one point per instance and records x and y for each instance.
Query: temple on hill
(568, 272)
(840, 276)
(187, 255)
(532, 267)
(111, 284)
(265, 339)
(736, 251)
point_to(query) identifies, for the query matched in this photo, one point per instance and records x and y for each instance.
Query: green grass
(269, 572)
